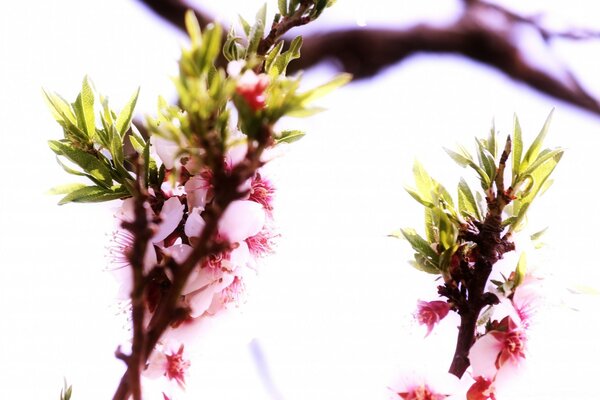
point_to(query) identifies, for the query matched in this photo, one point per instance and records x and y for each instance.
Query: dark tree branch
(365, 52)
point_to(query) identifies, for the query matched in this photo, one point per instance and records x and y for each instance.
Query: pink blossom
(501, 347)
(168, 363)
(166, 150)
(261, 244)
(261, 191)
(197, 189)
(436, 386)
(252, 88)
(170, 216)
(242, 219)
(482, 389)
(430, 313)
(527, 298)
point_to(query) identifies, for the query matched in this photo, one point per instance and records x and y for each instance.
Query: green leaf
(466, 200)
(210, 49)
(424, 264)
(536, 145)
(486, 160)
(64, 189)
(137, 142)
(289, 136)
(84, 109)
(280, 63)
(425, 184)
(319, 7)
(258, 29)
(447, 231)
(94, 194)
(491, 142)
(517, 150)
(282, 5)
(543, 158)
(326, 88)
(60, 108)
(193, 28)
(87, 162)
(520, 270)
(272, 55)
(126, 115)
(462, 160)
(419, 244)
(418, 198)
(245, 25)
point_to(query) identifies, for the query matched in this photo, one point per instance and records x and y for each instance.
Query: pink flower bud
(482, 389)
(430, 313)
(252, 88)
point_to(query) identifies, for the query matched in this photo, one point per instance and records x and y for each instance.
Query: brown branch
(489, 249)
(365, 52)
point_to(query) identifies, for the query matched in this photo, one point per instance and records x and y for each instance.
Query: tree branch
(365, 52)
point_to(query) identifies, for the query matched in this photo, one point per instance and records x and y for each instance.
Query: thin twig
(365, 52)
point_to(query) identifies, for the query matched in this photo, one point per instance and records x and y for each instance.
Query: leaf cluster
(446, 221)
(201, 125)
(90, 149)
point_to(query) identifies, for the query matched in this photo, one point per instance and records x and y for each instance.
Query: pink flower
(168, 363)
(500, 347)
(242, 219)
(261, 244)
(414, 386)
(482, 389)
(430, 313)
(261, 191)
(527, 298)
(252, 88)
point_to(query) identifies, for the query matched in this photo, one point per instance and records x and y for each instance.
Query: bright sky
(331, 310)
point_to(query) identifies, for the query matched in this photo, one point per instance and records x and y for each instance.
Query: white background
(331, 311)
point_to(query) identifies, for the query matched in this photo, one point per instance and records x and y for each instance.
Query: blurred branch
(365, 52)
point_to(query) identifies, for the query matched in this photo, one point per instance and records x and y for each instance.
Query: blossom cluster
(499, 350)
(175, 212)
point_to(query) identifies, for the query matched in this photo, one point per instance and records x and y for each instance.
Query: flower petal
(483, 355)
(171, 214)
(242, 219)
(194, 224)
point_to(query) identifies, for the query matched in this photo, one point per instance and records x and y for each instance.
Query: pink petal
(201, 277)
(197, 189)
(242, 219)
(201, 300)
(166, 150)
(483, 355)
(171, 214)
(194, 224)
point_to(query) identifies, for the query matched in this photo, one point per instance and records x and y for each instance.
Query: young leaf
(326, 88)
(520, 271)
(60, 108)
(419, 244)
(87, 162)
(289, 136)
(84, 109)
(536, 145)
(466, 200)
(124, 120)
(193, 28)
(517, 150)
(93, 194)
(258, 29)
(282, 5)
(245, 25)
(64, 189)
(419, 198)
